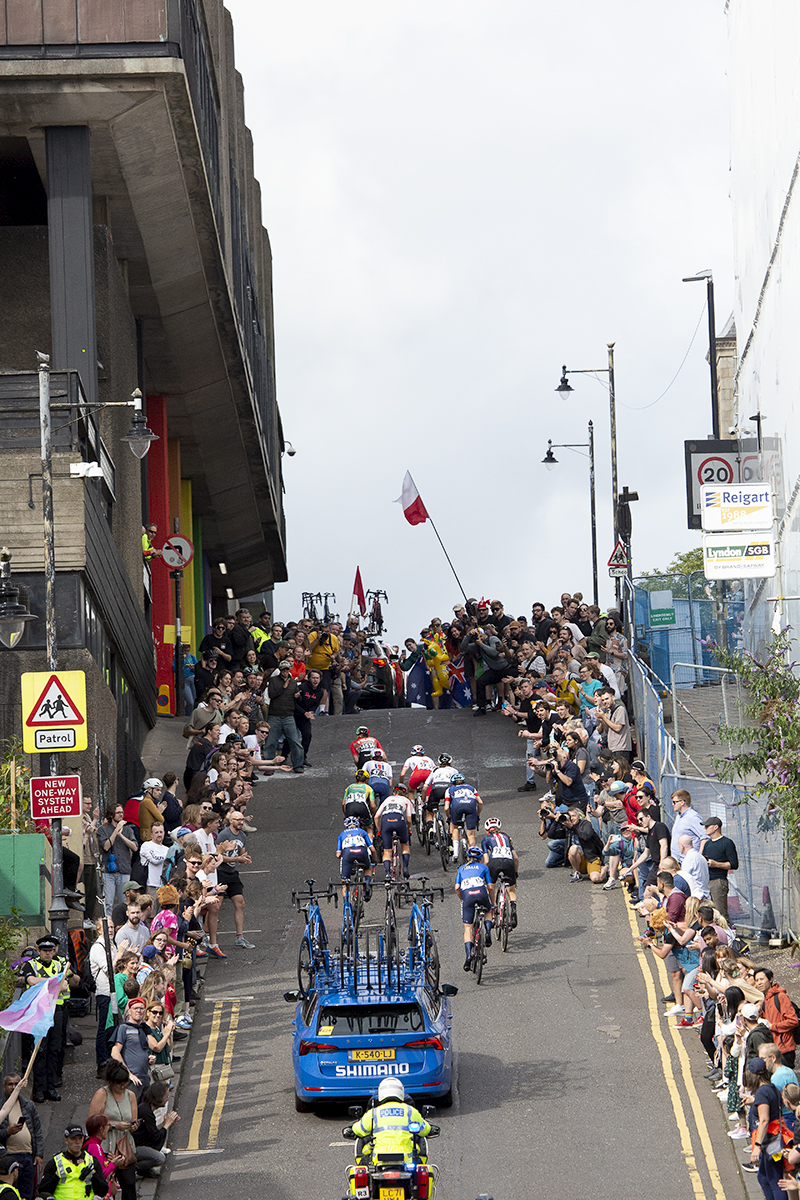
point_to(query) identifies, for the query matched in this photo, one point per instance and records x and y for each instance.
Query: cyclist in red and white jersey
(435, 789)
(418, 767)
(364, 746)
(395, 815)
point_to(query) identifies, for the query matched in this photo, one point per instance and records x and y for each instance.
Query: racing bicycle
(460, 825)
(502, 910)
(479, 940)
(352, 912)
(421, 937)
(313, 958)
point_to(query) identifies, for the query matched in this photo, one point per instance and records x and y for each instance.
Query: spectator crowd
(168, 864)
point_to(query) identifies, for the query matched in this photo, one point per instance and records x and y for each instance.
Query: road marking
(198, 1151)
(205, 1078)
(694, 1099)
(339, 1144)
(666, 1064)
(224, 1076)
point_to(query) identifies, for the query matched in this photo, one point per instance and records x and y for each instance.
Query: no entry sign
(55, 796)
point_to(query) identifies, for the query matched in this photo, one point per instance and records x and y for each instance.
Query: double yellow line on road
(656, 1017)
(222, 1078)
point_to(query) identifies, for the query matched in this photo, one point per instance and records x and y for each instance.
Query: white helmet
(391, 1088)
(149, 784)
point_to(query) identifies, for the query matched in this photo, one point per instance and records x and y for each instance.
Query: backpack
(80, 999)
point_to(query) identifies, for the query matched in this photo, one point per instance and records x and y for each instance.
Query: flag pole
(447, 556)
(29, 1067)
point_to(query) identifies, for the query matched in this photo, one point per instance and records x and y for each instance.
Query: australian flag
(418, 685)
(459, 685)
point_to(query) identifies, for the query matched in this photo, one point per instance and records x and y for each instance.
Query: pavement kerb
(149, 1188)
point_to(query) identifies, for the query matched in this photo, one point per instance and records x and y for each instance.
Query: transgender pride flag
(33, 1012)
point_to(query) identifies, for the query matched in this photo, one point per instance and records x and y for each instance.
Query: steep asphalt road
(569, 1081)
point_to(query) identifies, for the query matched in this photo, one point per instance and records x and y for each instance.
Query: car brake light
(433, 1043)
(423, 1183)
(315, 1048)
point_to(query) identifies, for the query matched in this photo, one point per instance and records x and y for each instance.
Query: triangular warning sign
(54, 707)
(619, 558)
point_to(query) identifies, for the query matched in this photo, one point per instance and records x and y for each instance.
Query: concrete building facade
(764, 45)
(132, 251)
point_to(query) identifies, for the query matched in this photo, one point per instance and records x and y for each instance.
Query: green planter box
(22, 879)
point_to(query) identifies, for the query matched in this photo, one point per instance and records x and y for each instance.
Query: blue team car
(346, 1039)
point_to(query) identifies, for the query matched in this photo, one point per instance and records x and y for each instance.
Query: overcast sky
(461, 196)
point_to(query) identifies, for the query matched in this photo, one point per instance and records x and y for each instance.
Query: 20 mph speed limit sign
(716, 463)
(177, 551)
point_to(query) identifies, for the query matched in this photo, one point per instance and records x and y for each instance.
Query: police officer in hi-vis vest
(74, 1174)
(50, 1060)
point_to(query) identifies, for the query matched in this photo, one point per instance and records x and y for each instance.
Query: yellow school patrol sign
(53, 711)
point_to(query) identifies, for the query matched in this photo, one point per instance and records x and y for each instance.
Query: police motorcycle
(392, 1176)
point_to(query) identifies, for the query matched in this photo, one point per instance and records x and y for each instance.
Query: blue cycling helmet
(474, 853)
(457, 778)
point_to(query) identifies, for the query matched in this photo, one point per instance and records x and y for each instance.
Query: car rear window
(342, 1021)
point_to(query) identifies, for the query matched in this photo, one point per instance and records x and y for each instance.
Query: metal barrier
(686, 631)
(759, 901)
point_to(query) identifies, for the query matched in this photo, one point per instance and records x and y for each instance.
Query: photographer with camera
(565, 780)
(496, 666)
(553, 830)
(586, 852)
(323, 646)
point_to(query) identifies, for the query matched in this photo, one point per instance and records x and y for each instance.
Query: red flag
(358, 592)
(414, 510)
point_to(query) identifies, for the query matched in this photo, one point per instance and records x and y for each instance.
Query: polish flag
(358, 593)
(414, 510)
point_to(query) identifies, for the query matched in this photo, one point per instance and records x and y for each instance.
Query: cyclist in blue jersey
(474, 886)
(499, 855)
(354, 848)
(462, 800)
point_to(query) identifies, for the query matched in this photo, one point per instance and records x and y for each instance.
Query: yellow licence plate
(371, 1056)
(392, 1193)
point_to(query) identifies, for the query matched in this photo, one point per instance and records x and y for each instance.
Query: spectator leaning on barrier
(722, 859)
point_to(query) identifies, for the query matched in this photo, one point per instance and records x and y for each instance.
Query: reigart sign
(53, 711)
(718, 464)
(55, 796)
(736, 507)
(738, 555)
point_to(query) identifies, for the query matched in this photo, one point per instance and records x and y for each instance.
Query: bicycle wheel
(443, 843)
(504, 929)
(419, 817)
(397, 861)
(305, 967)
(428, 829)
(479, 951)
(431, 959)
(348, 933)
(358, 904)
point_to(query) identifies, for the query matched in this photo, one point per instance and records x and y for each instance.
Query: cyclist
(461, 800)
(474, 886)
(395, 815)
(439, 781)
(380, 774)
(354, 848)
(418, 767)
(359, 800)
(363, 746)
(499, 855)
(393, 1125)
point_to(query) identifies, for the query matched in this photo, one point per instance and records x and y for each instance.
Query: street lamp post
(550, 461)
(139, 438)
(564, 389)
(707, 277)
